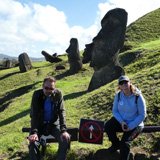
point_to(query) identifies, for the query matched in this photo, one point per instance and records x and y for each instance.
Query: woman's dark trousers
(113, 126)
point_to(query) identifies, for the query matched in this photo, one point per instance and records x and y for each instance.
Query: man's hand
(33, 138)
(66, 135)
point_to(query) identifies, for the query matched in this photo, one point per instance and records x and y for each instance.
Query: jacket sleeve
(61, 112)
(141, 113)
(115, 110)
(34, 113)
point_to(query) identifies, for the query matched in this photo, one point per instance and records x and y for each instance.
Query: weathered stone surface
(87, 54)
(74, 58)
(110, 38)
(105, 75)
(103, 154)
(103, 52)
(51, 58)
(141, 156)
(24, 62)
(55, 55)
(155, 157)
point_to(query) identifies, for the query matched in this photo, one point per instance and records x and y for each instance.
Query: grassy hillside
(143, 30)
(142, 65)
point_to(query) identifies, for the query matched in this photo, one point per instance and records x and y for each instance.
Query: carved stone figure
(24, 62)
(8, 63)
(55, 55)
(87, 54)
(51, 58)
(74, 58)
(103, 51)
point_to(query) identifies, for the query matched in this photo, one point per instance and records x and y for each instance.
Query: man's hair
(49, 78)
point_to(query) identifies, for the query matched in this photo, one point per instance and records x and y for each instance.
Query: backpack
(135, 99)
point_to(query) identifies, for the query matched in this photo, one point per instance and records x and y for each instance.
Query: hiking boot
(113, 148)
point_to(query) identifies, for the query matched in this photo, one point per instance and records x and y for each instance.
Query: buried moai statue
(24, 62)
(74, 58)
(103, 51)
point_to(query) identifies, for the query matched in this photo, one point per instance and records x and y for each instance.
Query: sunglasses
(47, 88)
(123, 82)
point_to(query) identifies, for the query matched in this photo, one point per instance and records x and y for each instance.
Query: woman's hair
(50, 78)
(131, 87)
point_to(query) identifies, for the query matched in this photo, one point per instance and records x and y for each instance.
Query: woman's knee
(110, 124)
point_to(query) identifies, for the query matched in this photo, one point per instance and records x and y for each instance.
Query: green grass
(145, 29)
(79, 102)
(142, 65)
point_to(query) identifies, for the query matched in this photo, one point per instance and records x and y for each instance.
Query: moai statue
(87, 54)
(51, 58)
(103, 53)
(74, 58)
(24, 62)
(8, 63)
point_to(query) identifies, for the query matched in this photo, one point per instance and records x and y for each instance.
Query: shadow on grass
(9, 97)
(15, 117)
(65, 74)
(74, 95)
(8, 75)
(20, 155)
(60, 76)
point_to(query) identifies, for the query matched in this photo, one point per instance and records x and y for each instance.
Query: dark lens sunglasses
(123, 82)
(47, 88)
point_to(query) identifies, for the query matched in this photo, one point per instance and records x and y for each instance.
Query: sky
(31, 26)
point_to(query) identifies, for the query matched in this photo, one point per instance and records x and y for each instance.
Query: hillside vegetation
(143, 30)
(141, 64)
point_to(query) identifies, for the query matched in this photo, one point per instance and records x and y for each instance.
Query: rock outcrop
(103, 154)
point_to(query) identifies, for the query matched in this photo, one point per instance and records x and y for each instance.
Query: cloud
(135, 9)
(32, 27)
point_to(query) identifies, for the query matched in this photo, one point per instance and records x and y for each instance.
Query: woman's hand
(124, 126)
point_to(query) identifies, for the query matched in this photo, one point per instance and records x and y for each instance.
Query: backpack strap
(118, 96)
(136, 98)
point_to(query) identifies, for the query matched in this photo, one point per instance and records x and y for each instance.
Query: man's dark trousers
(63, 146)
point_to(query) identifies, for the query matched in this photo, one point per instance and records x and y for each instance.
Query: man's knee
(31, 146)
(34, 151)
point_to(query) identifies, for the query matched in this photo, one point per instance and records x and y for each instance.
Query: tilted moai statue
(24, 62)
(51, 58)
(74, 58)
(103, 51)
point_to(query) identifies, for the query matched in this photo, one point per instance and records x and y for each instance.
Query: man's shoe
(113, 148)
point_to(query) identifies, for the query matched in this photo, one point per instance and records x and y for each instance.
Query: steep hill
(142, 65)
(145, 29)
